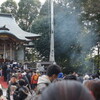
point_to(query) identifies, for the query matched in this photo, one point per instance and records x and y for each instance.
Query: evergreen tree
(27, 12)
(9, 6)
(73, 40)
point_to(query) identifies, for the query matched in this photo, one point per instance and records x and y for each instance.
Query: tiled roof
(8, 21)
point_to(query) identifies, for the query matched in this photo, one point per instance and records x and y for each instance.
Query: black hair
(21, 82)
(53, 69)
(66, 90)
(14, 76)
(70, 77)
(1, 92)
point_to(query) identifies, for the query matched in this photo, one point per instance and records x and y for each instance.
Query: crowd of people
(27, 84)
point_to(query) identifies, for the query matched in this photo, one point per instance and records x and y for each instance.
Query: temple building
(13, 39)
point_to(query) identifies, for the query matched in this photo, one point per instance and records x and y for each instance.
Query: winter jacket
(42, 83)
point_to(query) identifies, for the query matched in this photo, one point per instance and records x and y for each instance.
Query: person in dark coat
(13, 84)
(4, 69)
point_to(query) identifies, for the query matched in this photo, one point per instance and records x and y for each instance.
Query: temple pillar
(4, 51)
(11, 52)
(20, 54)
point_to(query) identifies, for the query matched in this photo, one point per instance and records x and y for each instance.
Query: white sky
(1, 1)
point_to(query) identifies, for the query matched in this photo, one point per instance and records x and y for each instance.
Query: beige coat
(3, 98)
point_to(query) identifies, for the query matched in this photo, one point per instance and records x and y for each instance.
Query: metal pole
(98, 58)
(52, 55)
(4, 52)
(93, 67)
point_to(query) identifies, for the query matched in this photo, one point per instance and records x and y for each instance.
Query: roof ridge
(6, 14)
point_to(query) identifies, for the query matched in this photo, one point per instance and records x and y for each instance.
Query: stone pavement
(3, 83)
(4, 91)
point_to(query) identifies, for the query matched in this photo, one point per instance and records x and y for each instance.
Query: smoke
(71, 33)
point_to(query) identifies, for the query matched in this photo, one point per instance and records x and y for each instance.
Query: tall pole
(98, 58)
(4, 55)
(52, 55)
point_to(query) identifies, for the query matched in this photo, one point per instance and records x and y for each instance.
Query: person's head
(13, 79)
(60, 75)
(94, 87)
(95, 76)
(89, 84)
(21, 82)
(1, 92)
(23, 93)
(86, 77)
(66, 90)
(53, 71)
(70, 77)
(96, 90)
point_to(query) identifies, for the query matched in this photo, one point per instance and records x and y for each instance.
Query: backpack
(34, 79)
(21, 93)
